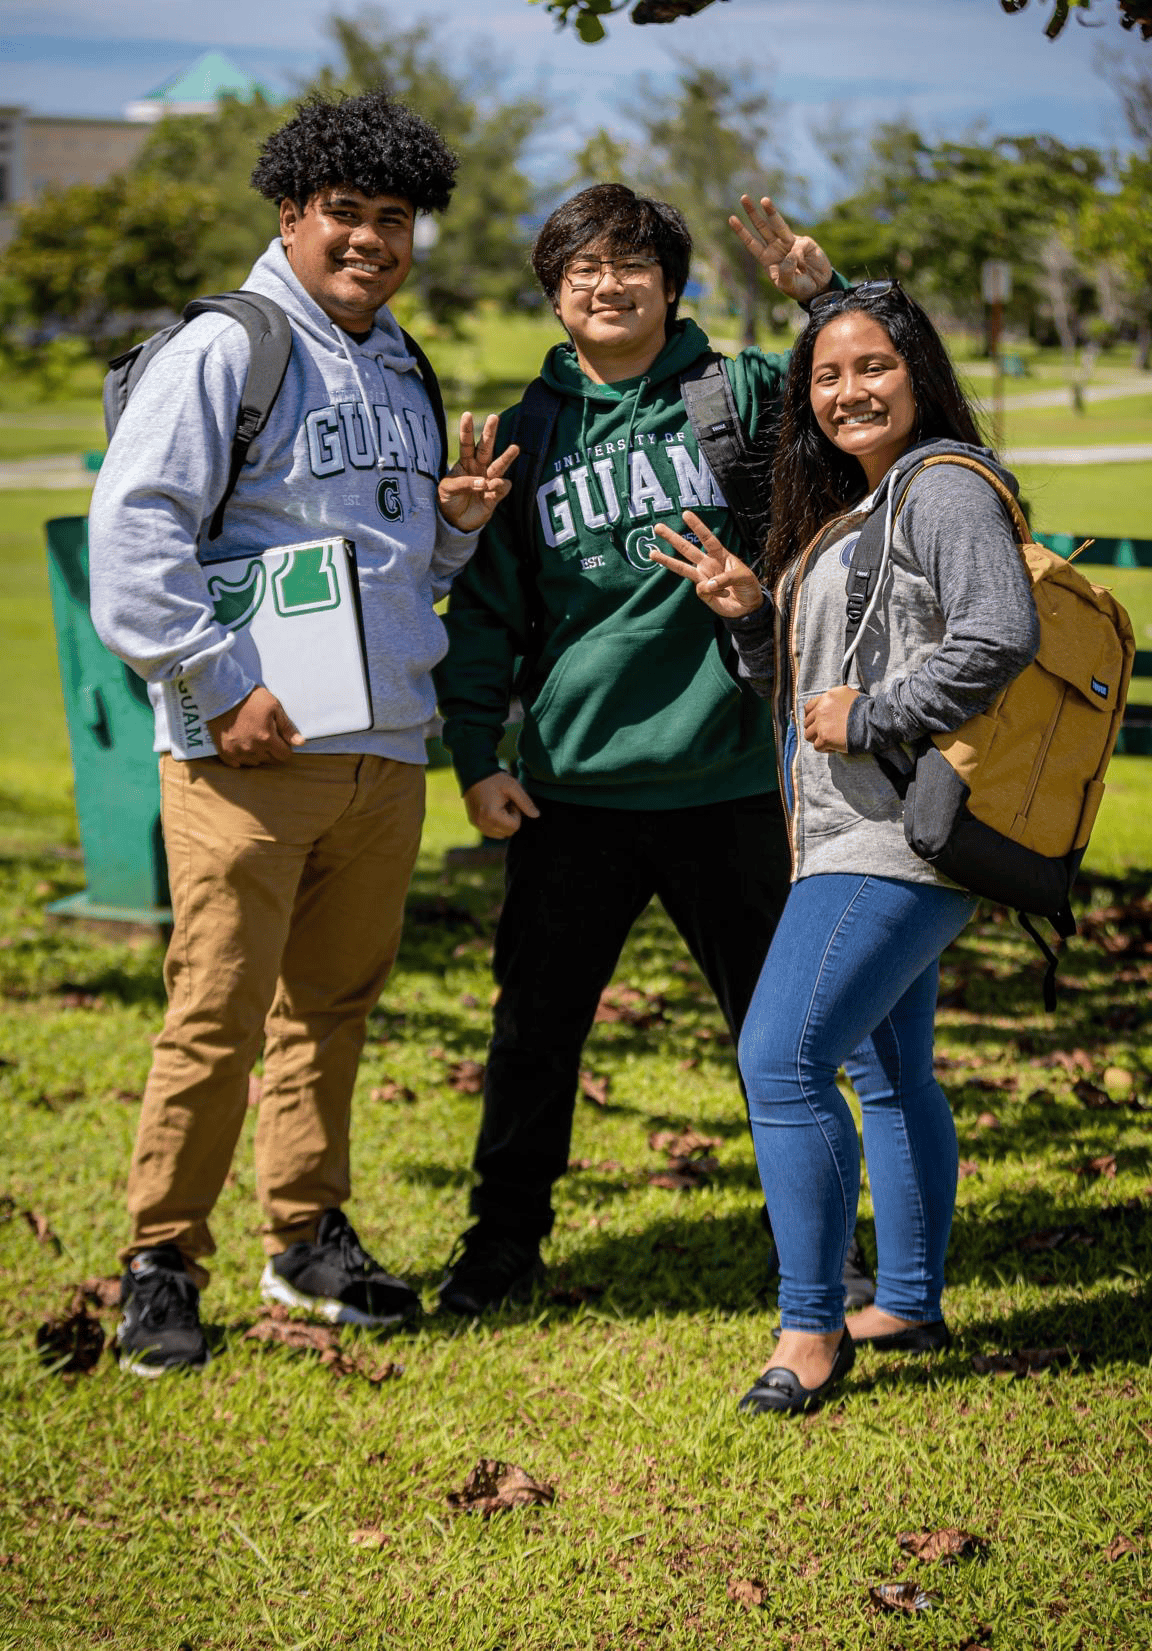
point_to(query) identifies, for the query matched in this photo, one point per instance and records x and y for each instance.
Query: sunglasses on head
(825, 303)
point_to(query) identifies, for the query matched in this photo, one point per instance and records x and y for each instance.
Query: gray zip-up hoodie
(321, 467)
(952, 622)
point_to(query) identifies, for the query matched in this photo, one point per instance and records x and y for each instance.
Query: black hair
(615, 218)
(812, 480)
(369, 143)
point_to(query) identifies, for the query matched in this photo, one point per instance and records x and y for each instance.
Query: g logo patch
(638, 548)
(388, 499)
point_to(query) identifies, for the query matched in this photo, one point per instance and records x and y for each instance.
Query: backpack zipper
(1034, 777)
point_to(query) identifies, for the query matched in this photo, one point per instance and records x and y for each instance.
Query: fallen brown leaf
(948, 1544)
(390, 1090)
(744, 1591)
(987, 1120)
(683, 1144)
(255, 1088)
(75, 997)
(1119, 1546)
(684, 1174)
(1029, 1361)
(630, 1005)
(1105, 1166)
(276, 1327)
(1041, 1097)
(369, 1537)
(902, 1596)
(1072, 1060)
(1093, 1096)
(78, 1340)
(467, 1077)
(967, 1167)
(43, 1233)
(98, 1292)
(495, 1487)
(594, 1089)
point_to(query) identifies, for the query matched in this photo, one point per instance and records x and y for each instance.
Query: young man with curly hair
(643, 770)
(289, 860)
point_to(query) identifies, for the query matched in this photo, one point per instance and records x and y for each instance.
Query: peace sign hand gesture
(795, 263)
(474, 486)
(723, 581)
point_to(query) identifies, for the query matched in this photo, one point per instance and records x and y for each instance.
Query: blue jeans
(850, 980)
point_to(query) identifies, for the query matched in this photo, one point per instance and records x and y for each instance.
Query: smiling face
(617, 325)
(861, 392)
(349, 251)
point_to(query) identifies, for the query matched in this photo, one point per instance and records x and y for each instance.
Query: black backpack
(270, 349)
(720, 437)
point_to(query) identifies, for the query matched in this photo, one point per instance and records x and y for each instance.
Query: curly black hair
(812, 480)
(613, 217)
(369, 143)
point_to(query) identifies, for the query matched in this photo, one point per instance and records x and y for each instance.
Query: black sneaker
(487, 1268)
(337, 1279)
(160, 1330)
(859, 1285)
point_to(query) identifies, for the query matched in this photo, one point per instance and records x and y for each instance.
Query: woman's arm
(959, 534)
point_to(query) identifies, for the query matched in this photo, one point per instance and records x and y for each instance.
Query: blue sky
(947, 64)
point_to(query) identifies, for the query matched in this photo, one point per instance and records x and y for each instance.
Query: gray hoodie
(952, 624)
(320, 468)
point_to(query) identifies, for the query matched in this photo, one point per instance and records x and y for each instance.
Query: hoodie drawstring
(369, 420)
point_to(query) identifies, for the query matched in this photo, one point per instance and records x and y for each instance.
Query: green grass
(216, 1512)
(1128, 420)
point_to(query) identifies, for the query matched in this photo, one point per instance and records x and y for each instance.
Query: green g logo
(638, 548)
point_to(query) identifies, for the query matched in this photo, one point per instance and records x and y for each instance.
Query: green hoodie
(633, 701)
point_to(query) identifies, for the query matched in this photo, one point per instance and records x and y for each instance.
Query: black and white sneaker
(338, 1280)
(160, 1330)
(487, 1268)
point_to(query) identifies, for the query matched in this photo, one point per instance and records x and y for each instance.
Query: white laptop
(295, 610)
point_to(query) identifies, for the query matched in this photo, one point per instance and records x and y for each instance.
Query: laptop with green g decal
(295, 613)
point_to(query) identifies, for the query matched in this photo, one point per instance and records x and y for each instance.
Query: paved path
(54, 472)
(1133, 453)
(1062, 395)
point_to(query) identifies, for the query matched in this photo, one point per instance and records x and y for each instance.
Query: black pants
(577, 880)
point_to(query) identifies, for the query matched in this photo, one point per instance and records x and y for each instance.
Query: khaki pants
(288, 887)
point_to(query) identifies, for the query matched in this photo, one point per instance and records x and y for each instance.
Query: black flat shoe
(934, 1337)
(781, 1389)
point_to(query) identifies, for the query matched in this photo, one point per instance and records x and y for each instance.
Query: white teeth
(862, 418)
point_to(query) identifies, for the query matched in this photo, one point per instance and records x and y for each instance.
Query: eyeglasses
(824, 302)
(582, 273)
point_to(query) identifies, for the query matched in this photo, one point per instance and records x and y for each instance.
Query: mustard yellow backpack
(1005, 805)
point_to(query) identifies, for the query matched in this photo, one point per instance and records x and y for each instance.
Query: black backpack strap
(721, 438)
(532, 432)
(270, 349)
(867, 554)
(435, 395)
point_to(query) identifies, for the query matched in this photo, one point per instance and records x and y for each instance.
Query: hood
(930, 449)
(274, 276)
(562, 370)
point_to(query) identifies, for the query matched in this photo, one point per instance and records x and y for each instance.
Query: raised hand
(795, 263)
(722, 580)
(475, 484)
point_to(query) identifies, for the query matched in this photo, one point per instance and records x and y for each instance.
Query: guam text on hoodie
(350, 448)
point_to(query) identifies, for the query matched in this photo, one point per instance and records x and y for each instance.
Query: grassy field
(279, 1500)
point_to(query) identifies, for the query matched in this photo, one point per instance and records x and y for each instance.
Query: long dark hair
(812, 480)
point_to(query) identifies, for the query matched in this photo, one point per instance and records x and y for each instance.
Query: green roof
(204, 82)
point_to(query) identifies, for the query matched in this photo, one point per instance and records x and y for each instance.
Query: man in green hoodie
(643, 768)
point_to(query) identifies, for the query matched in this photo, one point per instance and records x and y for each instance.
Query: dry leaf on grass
(38, 1226)
(495, 1487)
(967, 1167)
(255, 1089)
(1105, 1166)
(987, 1120)
(948, 1544)
(1098, 1099)
(594, 1089)
(902, 1596)
(467, 1077)
(746, 1592)
(1072, 1060)
(1119, 1546)
(684, 1174)
(1029, 1361)
(78, 1340)
(390, 1090)
(683, 1144)
(369, 1537)
(631, 1006)
(276, 1327)
(101, 1293)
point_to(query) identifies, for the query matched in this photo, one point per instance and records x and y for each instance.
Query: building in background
(39, 152)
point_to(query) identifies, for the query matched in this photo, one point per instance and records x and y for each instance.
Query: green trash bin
(110, 730)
